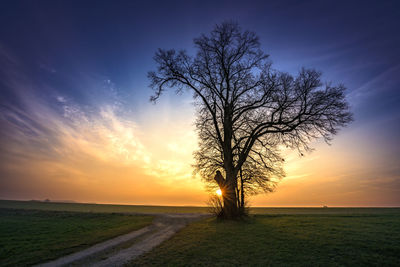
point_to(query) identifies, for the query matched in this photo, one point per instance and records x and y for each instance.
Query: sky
(76, 122)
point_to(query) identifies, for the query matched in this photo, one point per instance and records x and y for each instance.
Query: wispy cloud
(58, 141)
(379, 82)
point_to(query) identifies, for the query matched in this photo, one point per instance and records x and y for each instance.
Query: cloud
(54, 146)
(75, 149)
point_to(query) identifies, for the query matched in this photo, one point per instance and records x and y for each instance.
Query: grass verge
(32, 236)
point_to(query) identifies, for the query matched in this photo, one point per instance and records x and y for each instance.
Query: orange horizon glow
(205, 205)
(121, 162)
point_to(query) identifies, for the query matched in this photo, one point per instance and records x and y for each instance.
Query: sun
(219, 192)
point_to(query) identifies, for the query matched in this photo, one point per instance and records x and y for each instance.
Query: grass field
(82, 207)
(32, 236)
(285, 240)
(30, 231)
(109, 208)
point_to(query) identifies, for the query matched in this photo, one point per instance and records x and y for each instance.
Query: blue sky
(69, 65)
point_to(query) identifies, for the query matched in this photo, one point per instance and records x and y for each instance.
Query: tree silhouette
(246, 109)
(259, 173)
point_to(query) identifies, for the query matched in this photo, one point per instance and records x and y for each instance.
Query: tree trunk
(229, 196)
(241, 191)
(231, 209)
(238, 196)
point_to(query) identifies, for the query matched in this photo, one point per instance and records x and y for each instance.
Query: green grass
(107, 208)
(31, 236)
(286, 240)
(271, 236)
(81, 207)
(324, 211)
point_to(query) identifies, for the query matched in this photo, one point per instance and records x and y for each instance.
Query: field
(37, 231)
(285, 240)
(109, 208)
(82, 207)
(32, 236)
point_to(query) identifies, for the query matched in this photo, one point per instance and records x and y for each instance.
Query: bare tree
(245, 108)
(259, 173)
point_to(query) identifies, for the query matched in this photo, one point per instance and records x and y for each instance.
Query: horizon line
(189, 206)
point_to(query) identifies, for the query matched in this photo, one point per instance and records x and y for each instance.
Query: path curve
(106, 253)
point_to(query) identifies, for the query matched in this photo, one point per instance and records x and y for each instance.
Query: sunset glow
(76, 123)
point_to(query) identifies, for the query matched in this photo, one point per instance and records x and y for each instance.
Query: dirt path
(122, 249)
